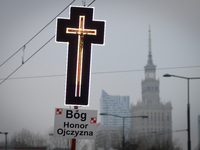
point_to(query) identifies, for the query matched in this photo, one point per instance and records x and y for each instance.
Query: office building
(115, 105)
(110, 130)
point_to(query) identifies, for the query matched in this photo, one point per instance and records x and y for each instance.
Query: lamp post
(188, 105)
(6, 133)
(123, 117)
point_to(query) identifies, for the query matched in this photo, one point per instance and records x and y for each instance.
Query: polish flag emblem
(59, 111)
(93, 120)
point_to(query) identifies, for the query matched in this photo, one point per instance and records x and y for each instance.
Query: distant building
(115, 105)
(110, 130)
(159, 123)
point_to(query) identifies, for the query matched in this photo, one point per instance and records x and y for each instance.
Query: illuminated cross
(80, 32)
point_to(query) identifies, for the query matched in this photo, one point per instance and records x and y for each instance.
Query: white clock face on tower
(151, 75)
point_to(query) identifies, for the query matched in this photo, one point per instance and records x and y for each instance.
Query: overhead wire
(23, 47)
(91, 3)
(27, 59)
(108, 72)
(23, 62)
(122, 71)
(36, 34)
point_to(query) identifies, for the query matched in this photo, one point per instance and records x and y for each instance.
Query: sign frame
(75, 123)
(62, 36)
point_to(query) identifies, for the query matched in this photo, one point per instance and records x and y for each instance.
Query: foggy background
(29, 97)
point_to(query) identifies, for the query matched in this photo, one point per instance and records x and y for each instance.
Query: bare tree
(166, 145)
(86, 144)
(82, 144)
(117, 142)
(92, 144)
(144, 143)
(25, 138)
(104, 139)
(59, 143)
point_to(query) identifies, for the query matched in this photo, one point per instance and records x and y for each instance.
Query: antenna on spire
(149, 38)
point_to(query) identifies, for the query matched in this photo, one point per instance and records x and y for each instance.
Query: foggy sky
(175, 31)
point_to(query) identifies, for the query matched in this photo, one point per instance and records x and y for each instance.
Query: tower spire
(150, 61)
(149, 39)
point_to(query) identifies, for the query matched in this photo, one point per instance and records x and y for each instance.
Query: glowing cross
(80, 32)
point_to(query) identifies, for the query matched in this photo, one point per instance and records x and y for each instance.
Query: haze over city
(28, 98)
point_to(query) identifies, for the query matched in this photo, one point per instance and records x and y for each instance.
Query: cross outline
(72, 40)
(81, 31)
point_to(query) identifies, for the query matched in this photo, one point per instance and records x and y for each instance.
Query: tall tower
(157, 128)
(150, 86)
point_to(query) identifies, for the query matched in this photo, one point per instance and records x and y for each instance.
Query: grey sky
(175, 33)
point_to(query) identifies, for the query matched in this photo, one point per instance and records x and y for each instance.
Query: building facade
(158, 125)
(110, 131)
(115, 105)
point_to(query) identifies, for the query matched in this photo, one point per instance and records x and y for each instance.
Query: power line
(27, 60)
(91, 3)
(122, 71)
(108, 72)
(39, 48)
(36, 34)
(34, 77)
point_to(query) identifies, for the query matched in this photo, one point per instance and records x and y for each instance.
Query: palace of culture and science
(158, 125)
(159, 121)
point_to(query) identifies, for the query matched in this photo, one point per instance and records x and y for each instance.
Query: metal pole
(188, 105)
(73, 144)
(123, 134)
(73, 141)
(6, 140)
(123, 139)
(188, 116)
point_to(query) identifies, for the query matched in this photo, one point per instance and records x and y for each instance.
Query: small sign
(75, 123)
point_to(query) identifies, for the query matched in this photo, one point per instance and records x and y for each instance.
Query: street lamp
(123, 121)
(188, 105)
(6, 133)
